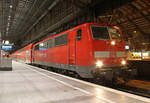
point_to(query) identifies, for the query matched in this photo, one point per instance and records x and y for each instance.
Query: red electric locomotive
(90, 50)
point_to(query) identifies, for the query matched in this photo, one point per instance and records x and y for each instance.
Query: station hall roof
(17, 16)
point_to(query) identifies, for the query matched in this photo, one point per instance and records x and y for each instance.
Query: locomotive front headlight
(99, 63)
(113, 42)
(123, 62)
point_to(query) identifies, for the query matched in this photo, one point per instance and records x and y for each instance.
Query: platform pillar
(5, 62)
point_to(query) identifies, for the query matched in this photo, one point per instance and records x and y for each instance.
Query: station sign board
(6, 47)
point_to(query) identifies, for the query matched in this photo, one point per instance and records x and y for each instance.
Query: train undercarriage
(110, 74)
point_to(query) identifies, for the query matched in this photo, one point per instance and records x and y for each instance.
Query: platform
(28, 84)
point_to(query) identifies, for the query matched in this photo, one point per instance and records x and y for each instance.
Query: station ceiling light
(6, 42)
(135, 31)
(10, 6)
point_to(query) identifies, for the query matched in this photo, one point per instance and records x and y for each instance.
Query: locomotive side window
(61, 40)
(36, 47)
(78, 35)
(100, 32)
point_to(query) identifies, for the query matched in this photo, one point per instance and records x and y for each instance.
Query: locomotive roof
(87, 23)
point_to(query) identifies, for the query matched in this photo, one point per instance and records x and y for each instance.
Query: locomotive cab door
(74, 37)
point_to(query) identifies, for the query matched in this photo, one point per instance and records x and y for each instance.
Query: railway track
(133, 90)
(137, 87)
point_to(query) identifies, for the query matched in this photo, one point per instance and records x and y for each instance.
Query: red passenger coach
(90, 49)
(24, 55)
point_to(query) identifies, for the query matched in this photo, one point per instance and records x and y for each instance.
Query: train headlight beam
(99, 63)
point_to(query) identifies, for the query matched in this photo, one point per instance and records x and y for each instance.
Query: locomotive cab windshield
(114, 34)
(105, 33)
(100, 32)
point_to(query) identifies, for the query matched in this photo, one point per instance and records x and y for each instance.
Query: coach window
(45, 44)
(78, 35)
(36, 47)
(42, 46)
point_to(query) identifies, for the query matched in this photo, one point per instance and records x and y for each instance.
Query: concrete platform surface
(28, 84)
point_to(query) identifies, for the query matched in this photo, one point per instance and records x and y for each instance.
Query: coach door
(72, 56)
(27, 56)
